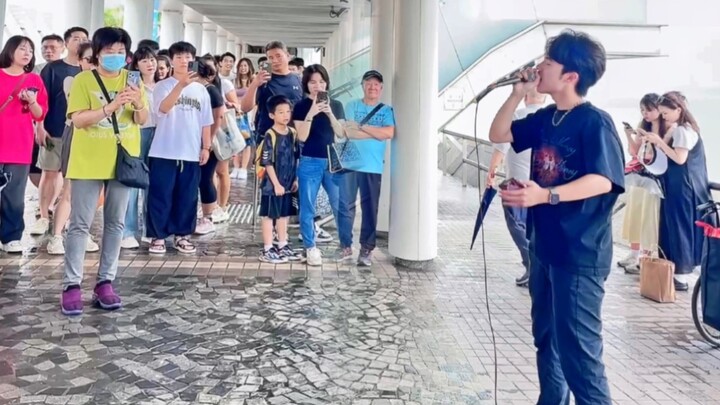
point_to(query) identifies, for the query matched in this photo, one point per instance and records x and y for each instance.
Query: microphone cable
(484, 256)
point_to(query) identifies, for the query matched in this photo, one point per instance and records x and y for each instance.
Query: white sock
(268, 247)
(683, 278)
(282, 244)
(635, 253)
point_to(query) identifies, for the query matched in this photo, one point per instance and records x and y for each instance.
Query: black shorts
(36, 153)
(278, 207)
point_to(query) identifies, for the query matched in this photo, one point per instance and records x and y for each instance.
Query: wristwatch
(553, 197)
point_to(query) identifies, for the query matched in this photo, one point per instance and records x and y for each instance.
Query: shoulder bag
(129, 170)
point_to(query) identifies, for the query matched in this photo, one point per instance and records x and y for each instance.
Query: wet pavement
(221, 328)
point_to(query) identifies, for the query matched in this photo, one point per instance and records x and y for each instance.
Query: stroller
(706, 294)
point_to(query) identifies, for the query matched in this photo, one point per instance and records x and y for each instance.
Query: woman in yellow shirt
(91, 165)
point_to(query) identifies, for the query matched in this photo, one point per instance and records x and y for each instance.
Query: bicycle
(709, 333)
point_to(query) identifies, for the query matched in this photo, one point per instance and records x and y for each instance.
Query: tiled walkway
(220, 328)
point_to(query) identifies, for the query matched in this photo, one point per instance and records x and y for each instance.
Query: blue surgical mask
(113, 63)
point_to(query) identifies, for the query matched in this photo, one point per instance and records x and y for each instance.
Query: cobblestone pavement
(220, 328)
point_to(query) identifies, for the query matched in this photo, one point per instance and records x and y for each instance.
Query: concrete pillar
(77, 13)
(414, 200)
(194, 33)
(221, 41)
(383, 60)
(138, 20)
(97, 18)
(209, 38)
(171, 27)
(232, 45)
(3, 7)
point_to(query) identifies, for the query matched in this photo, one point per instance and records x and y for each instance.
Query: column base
(413, 264)
(384, 235)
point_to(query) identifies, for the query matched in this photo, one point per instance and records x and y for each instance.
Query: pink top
(17, 132)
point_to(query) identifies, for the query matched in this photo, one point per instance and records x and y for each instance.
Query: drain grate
(241, 213)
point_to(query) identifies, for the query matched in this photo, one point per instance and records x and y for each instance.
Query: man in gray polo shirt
(517, 165)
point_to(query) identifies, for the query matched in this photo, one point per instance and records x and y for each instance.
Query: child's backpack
(260, 169)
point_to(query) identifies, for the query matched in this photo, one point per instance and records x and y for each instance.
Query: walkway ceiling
(298, 23)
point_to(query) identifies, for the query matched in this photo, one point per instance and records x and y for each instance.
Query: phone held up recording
(322, 97)
(134, 79)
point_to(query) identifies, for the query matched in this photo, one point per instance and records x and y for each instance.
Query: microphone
(513, 80)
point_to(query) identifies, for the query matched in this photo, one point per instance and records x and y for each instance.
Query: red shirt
(17, 132)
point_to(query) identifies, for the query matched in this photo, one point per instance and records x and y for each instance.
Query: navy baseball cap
(372, 74)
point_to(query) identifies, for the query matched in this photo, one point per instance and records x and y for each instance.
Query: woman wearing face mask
(208, 192)
(318, 122)
(91, 164)
(145, 62)
(23, 100)
(686, 186)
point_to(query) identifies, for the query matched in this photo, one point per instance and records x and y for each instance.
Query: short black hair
(107, 36)
(164, 52)
(52, 37)
(299, 62)
(181, 47)
(207, 67)
(73, 30)
(226, 54)
(311, 70)
(262, 59)
(149, 43)
(579, 53)
(275, 101)
(275, 45)
(8, 52)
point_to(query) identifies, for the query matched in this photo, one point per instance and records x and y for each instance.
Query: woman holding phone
(23, 100)
(318, 121)
(640, 224)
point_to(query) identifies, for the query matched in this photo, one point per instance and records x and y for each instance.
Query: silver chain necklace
(555, 124)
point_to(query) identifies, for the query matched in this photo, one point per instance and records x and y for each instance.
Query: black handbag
(129, 170)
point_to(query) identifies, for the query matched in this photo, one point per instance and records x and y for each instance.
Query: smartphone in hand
(265, 65)
(322, 97)
(511, 184)
(134, 79)
(194, 66)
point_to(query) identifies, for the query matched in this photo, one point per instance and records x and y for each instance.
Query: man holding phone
(273, 79)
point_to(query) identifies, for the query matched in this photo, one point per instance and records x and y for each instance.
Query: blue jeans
(516, 219)
(313, 172)
(133, 215)
(567, 331)
(369, 186)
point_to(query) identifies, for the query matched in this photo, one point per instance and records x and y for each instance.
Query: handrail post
(462, 164)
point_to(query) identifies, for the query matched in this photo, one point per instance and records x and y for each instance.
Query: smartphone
(265, 65)
(511, 184)
(33, 89)
(322, 97)
(194, 66)
(134, 79)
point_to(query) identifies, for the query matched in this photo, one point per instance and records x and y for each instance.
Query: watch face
(554, 198)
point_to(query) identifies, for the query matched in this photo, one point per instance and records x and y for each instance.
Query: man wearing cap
(369, 125)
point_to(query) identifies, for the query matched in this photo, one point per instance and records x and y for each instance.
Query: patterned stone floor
(220, 328)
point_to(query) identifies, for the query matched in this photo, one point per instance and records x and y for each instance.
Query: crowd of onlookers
(98, 105)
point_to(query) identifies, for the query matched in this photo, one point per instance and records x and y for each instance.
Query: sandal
(157, 246)
(183, 245)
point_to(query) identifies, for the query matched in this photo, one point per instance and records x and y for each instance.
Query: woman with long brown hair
(685, 184)
(245, 76)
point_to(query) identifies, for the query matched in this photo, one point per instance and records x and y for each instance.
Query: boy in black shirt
(576, 177)
(279, 158)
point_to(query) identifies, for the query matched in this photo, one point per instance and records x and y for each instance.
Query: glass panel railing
(345, 77)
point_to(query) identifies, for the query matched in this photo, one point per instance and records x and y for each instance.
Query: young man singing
(576, 177)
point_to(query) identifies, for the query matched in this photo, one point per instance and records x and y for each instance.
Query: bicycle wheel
(710, 334)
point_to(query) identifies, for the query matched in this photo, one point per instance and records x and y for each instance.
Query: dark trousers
(208, 191)
(567, 330)
(516, 219)
(369, 186)
(172, 198)
(12, 202)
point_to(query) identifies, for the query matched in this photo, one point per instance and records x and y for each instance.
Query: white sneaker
(129, 243)
(322, 235)
(220, 215)
(204, 226)
(91, 246)
(242, 174)
(55, 246)
(235, 173)
(146, 240)
(13, 247)
(314, 257)
(40, 227)
(632, 259)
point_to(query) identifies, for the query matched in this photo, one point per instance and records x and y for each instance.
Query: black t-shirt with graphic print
(283, 157)
(575, 235)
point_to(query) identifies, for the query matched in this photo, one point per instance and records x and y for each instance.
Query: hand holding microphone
(526, 81)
